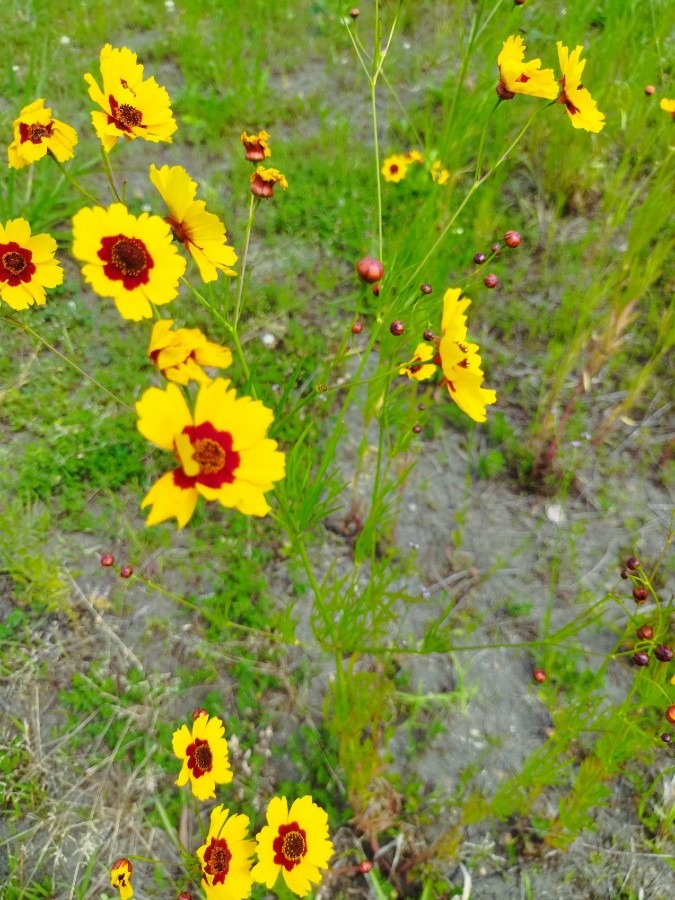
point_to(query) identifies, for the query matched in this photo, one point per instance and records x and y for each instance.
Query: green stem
(72, 181)
(244, 257)
(481, 146)
(110, 176)
(373, 107)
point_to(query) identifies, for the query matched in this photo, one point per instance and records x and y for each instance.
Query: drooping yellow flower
(36, 134)
(420, 368)
(668, 106)
(222, 451)
(519, 77)
(414, 156)
(581, 107)
(132, 107)
(120, 877)
(395, 168)
(180, 354)
(225, 858)
(131, 259)
(438, 174)
(294, 842)
(27, 265)
(255, 146)
(263, 181)
(204, 755)
(200, 232)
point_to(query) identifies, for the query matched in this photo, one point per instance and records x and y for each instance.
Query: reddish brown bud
(539, 675)
(503, 92)
(491, 281)
(632, 563)
(376, 290)
(496, 248)
(369, 269)
(663, 653)
(122, 862)
(428, 335)
(645, 632)
(512, 239)
(670, 714)
(199, 711)
(417, 429)
(640, 594)
(397, 328)
(650, 89)
(479, 258)
(107, 560)
(357, 328)
(354, 12)
(666, 738)
(426, 288)
(126, 572)
(641, 658)
(421, 407)
(184, 895)
(624, 574)
(364, 867)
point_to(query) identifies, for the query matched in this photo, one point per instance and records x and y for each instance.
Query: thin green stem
(373, 108)
(73, 181)
(110, 175)
(481, 146)
(244, 258)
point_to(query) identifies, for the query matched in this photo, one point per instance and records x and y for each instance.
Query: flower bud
(479, 258)
(357, 328)
(666, 738)
(426, 288)
(126, 572)
(364, 867)
(503, 92)
(107, 560)
(663, 653)
(670, 714)
(199, 711)
(645, 632)
(428, 335)
(421, 407)
(539, 675)
(397, 328)
(184, 895)
(624, 574)
(369, 269)
(632, 563)
(649, 90)
(491, 281)
(417, 429)
(519, 2)
(512, 239)
(640, 594)
(496, 248)
(641, 658)
(376, 290)
(354, 12)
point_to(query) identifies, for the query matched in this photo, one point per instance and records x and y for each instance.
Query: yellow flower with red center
(668, 106)
(180, 354)
(200, 232)
(519, 77)
(36, 134)
(27, 265)
(581, 107)
(458, 359)
(263, 181)
(255, 146)
(222, 451)
(395, 168)
(120, 877)
(294, 842)
(438, 174)
(204, 755)
(225, 858)
(133, 107)
(131, 259)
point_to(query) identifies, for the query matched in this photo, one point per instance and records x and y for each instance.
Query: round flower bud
(354, 12)
(428, 335)
(397, 328)
(666, 738)
(491, 281)
(539, 675)
(126, 571)
(649, 90)
(199, 711)
(364, 867)
(376, 290)
(645, 632)
(496, 248)
(417, 429)
(519, 2)
(426, 288)
(421, 407)
(357, 328)
(640, 594)
(624, 574)
(663, 653)
(479, 258)
(670, 714)
(184, 895)
(369, 269)
(107, 560)
(641, 658)
(632, 563)
(512, 239)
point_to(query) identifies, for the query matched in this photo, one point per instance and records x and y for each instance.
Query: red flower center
(212, 451)
(124, 116)
(200, 758)
(126, 259)
(393, 168)
(15, 264)
(289, 846)
(217, 858)
(35, 132)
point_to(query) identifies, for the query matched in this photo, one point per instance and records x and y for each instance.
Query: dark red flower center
(124, 116)
(212, 451)
(393, 168)
(217, 858)
(126, 259)
(290, 846)
(16, 264)
(35, 132)
(200, 758)
(180, 232)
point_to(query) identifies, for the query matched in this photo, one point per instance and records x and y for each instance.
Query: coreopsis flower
(204, 755)
(36, 134)
(27, 265)
(458, 359)
(395, 168)
(294, 842)
(414, 156)
(668, 106)
(255, 146)
(225, 858)
(519, 77)
(581, 107)
(133, 107)
(263, 181)
(221, 450)
(120, 877)
(180, 354)
(200, 232)
(129, 258)
(438, 174)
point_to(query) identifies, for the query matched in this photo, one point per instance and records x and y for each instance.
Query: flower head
(294, 842)
(221, 450)
(180, 354)
(128, 258)
(519, 77)
(668, 106)
(414, 156)
(581, 107)
(27, 265)
(395, 168)
(263, 181)
(200, 232)
(204, 755)
(120, 877)
(225, 858)
(438, 174)
(36, 134)
(420, 368)
(132, 107)
(255, 146)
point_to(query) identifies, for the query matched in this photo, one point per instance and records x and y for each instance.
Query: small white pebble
(555, 513)
(268, 340)
(64, 40)
(146, 207)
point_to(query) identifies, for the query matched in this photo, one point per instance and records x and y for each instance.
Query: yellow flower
(668, 106)
(120, 877)
(132, 107)
(27, 265)
(180, 354)
(36, 134)
(581, 107)
(204, 755)
(414, 156)
(417, 369)
(225, 858)
(200, 232)
(255, 146)
(519, 77)
(128, 258)
(438, 174)
(395, 167)
(222, 451)
(294, 842)
(263, 181)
